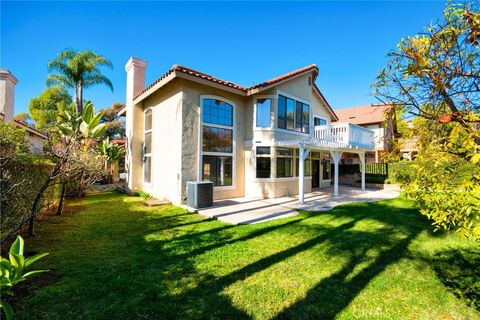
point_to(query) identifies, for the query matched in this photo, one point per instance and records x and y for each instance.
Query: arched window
(217, 141)
(147, 147)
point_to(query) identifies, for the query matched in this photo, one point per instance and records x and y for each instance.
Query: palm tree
(78, 70)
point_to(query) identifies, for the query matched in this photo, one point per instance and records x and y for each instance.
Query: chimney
(7, 95)
(135, 69)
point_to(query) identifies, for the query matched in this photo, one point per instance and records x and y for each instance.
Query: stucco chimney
(135, 69)
(7, 95)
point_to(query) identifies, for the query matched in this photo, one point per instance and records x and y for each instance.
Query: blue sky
(241, 42)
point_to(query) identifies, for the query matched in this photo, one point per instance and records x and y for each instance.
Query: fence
(350, 173)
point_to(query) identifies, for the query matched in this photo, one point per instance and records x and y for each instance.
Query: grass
(117, 259)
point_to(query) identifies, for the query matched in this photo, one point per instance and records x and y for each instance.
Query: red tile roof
(267, 83)
(26, 126)
(198, 74)
(363, 114)
(185, 70)
(247, 91)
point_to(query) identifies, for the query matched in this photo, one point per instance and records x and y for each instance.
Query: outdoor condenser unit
(199, 194)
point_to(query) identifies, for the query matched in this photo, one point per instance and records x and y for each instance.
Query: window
(284, 162)
(293, 115)
(326, 167)
(217, 142)
(147, 147)
(217, 112)
(306, 167)
(319, 121)
(264, 112)
(263, 162)
(217, 169)
(217, 139)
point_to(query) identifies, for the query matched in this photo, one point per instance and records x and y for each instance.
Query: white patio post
(303, 153)
(336, 155)
(362, 160)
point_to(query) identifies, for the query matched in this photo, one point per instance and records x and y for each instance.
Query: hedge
(20, 183)
(400, 172)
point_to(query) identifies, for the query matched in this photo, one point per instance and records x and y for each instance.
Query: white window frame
(149, 155)
(201, 153)
(287, 95)
(263, 156)
(272, 113)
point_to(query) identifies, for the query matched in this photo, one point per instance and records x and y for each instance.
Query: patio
(249, 211)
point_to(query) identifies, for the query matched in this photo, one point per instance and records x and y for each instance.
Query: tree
(78, 70)
(73, 137)
(112, 153)
(436, 76)
(45, 108)
(115, 124)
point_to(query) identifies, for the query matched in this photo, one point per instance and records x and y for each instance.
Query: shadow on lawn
(459, 270)
(160, 279)
(327, 298)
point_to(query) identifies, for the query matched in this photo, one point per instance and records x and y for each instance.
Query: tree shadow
(161, 279)
(459, 271)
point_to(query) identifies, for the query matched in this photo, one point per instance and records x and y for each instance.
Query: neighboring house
(7, 94)
(7, 100)
(249, 141)
(35, 137)
(375, 118)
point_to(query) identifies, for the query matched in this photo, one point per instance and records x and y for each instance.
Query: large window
(306, 167)
(264, 113)
(217, 142)
(293, 115)
(217, 112)
(217, 139)
(217, 169)
(147, 147)
(263, 162)
(284, 162)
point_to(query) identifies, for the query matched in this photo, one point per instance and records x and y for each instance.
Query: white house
(272, 139)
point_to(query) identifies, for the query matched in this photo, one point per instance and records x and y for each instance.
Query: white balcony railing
(346, 134)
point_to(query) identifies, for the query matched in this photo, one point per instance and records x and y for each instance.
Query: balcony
(345, 134)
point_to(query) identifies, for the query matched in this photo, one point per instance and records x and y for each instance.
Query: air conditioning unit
(199, 194)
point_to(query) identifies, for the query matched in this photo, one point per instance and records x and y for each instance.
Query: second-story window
(217, 142)
(263, 113)
(319, 121)
(293, 115)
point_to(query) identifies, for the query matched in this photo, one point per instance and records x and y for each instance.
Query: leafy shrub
(13, 271)
(144, 195)
(23, 180)
(401, 172)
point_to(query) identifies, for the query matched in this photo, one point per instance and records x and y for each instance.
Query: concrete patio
(248, 210)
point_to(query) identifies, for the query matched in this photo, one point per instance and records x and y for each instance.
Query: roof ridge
(199, 74)
(284, 76)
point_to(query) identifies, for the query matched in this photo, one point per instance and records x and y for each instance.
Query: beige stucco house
(7, 101)
(378, 118)
(249, 141)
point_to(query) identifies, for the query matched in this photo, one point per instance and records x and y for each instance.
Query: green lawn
(117, 259)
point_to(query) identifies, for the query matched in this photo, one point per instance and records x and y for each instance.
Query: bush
(401, 172)
(20, 182)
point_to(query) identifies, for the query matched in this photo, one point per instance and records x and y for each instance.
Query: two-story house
(380, 120)
(269, 140)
